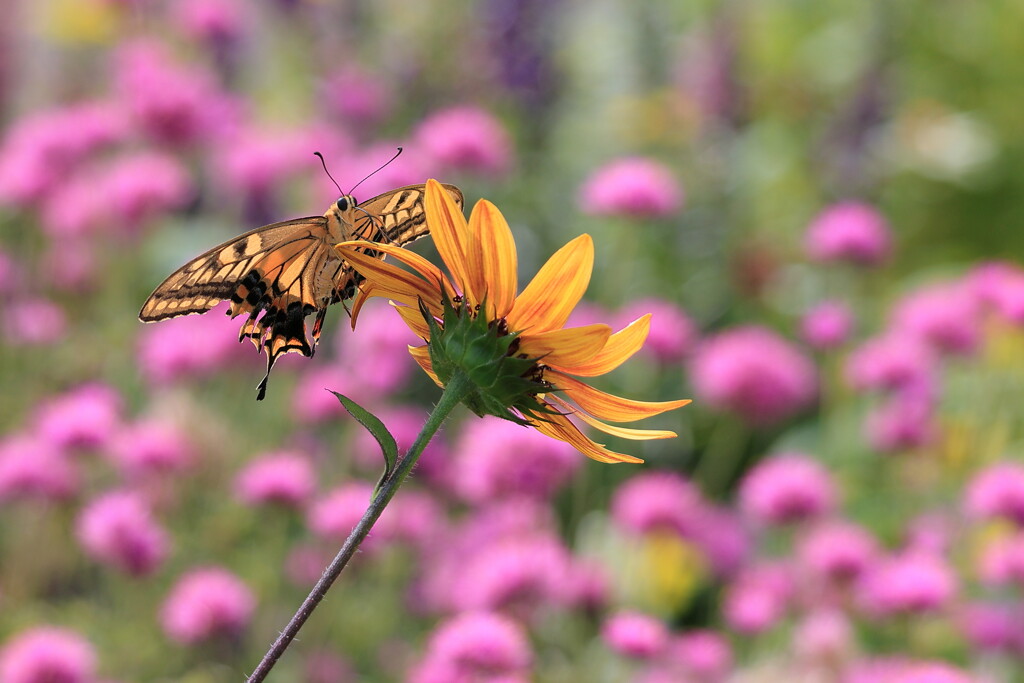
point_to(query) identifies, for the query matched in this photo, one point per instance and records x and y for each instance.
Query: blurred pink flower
(849, 231)
(71, 264)
(305, 564)
(377, 359)
(1000, 287)
(586, 586)
(891, 361)
(92, 211)
(84, 417)
(787, 487)
(755, 373)
(631, 186)
(945, 316)
(902, 422)
(824, 636)
(702, 654)
(837, 550)
(12, 276)
(255, 161)
(672, 334)
(721, 536)
(118, 529)
(635, 635)
(48, 654)
(335, 514)
(31, 467)
(1002, 561)
(211, 21)
(997, 491)
(827, 325)
(993, 626)
(34, 321)
(325, 666)
(151, 446)
(206, 603)
(415, 518)
(910, 582)
(656, 501)
(283, 478)
(142, 186)
(312, 401)
(933, 672)
(476, 646)
(758, 598)
(357, 96)
(404, 423)
(495, 458)
(466, 139)
(410, 168)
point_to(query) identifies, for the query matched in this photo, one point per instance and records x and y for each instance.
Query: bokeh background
(819, 202)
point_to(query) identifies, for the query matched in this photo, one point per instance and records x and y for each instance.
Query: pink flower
(1002, 561)
(357, 95)
(254, 161)
(631, 186)
(824, 636)
(758, 598)
(312, 400)
(672, 334)
(212, 21)
(912, 582)
(142, 186)
(992, 626)
(656, 501)
(892, 361)
(787, 488)
(285, 478)
(72, 265)
(839, 551)
(85, 417)
(755, 373)
(827, 325)
(34, 322)
(475, 646)
(31, 467)
(151, 446)
(849, 231)
(206, 603)
(933, 672)
(118, 529)
(495, 458)
(703, 655)
(944, 316)
(48, 654)
(377, 359)
(903, 422)
(335, 515)
(92, 214)
(466, 139)
(997, 491)
(635, 635)
(999, 286)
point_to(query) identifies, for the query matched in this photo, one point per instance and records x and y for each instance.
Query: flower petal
(414, 319)
(455, 243)
(559, 427)
(607, 406)
(620, 347)
(571, 345)
(548, 300)
(421, 354)
(498, 252)
(621, 432)
(392, 282)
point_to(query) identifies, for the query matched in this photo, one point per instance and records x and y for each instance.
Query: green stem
(453, 394)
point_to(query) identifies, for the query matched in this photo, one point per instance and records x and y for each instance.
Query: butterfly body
(280, 273)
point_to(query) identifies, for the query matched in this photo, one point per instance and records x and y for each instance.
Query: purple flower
(631, 186)
(206, 603)
(755, 373)
(142, 186)
(85, 417)
(496, 458)
(944, 316)
(904, 421)
(284, 478)
(466, 139)
(672, 335)
(911, 582)
(656, 501)
(34, 321)
(849, 231)
(48, 654)
(758, 598)
(118, 529)
(997, 491)
(475, 646)
(31, 467)
(992, 626)
(892, 361)
(635, 635)
(703, 655)
(786, 488)
(838, 551)
(827, 325)
(151, 446)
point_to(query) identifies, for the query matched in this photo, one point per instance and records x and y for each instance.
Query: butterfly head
(344, 203)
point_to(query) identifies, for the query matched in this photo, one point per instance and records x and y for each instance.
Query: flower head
(47, 653)
(206, 603)
(519, 358)
(633, 186)
(118, 529)
(849, 231)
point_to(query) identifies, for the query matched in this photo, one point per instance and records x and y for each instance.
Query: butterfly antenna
(382, 166)
(324, 164)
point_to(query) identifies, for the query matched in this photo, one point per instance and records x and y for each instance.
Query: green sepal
(388, 445)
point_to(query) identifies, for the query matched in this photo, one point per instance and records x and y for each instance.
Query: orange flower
(534, 361)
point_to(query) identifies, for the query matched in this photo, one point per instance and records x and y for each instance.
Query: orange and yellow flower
(481, 258)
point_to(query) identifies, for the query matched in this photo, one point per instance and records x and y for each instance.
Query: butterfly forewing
(280, 273)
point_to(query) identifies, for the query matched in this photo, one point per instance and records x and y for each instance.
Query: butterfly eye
(343, 204)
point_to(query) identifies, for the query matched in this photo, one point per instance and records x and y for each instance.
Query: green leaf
(388, 446)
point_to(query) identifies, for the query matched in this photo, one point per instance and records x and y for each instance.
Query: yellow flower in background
(522, 361)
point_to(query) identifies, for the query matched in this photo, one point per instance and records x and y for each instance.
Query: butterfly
(283, 272)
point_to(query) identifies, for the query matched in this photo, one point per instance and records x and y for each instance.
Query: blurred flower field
(818, 203)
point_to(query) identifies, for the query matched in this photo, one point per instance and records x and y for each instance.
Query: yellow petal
(622, 432)
(571, 345)
(421, 354)
(427, 270)
(392, 282)
(607, 406)
(559, 427)
(620, 347)
(452, 237)
(414, 319)
(498, 251)
(548, 300)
